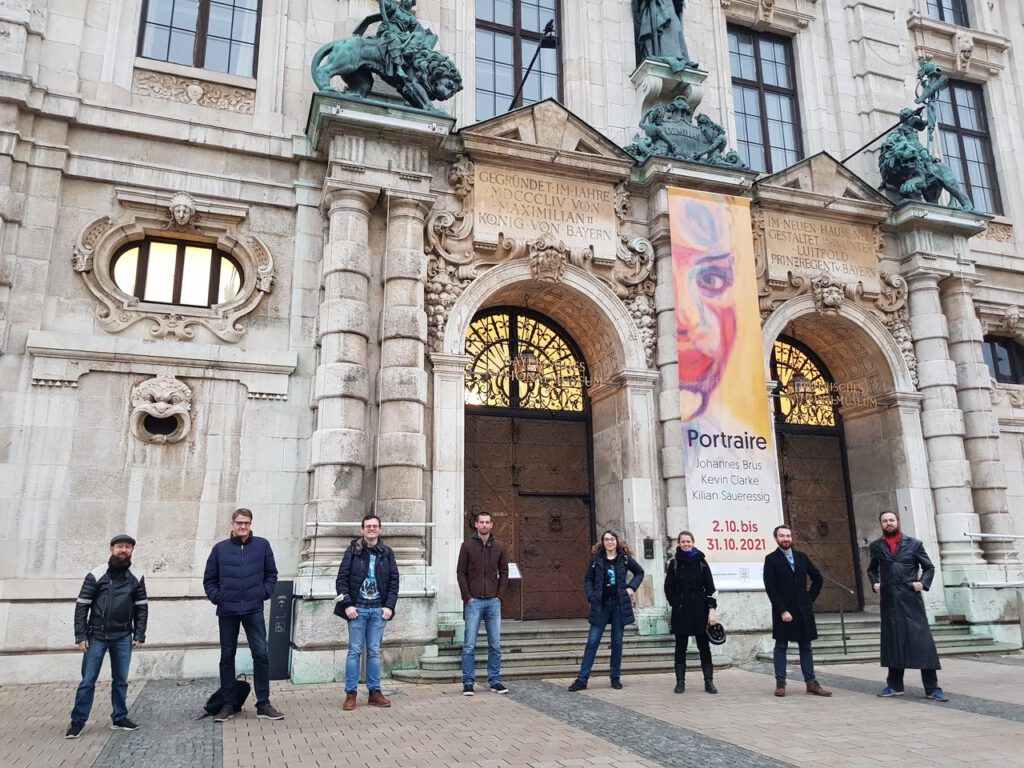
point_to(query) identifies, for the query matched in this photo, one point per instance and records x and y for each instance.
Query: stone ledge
(60, 359)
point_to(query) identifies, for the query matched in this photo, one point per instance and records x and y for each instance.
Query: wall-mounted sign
(523, 204)
(810, 247)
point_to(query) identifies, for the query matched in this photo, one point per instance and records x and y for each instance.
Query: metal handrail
(842, 613)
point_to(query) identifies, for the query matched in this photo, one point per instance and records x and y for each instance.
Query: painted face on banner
(705, 305)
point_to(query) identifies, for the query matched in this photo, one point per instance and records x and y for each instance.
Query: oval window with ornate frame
(177, 272)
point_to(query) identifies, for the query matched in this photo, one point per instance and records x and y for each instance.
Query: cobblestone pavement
(541, 725)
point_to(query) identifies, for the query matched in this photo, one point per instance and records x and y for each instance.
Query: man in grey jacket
(110, 615)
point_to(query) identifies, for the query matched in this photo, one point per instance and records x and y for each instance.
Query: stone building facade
(357, 244)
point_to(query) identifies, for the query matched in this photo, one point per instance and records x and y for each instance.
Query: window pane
(154, 43)
(186, 14)
(220, 20)
(218, 53)
(159, 11)
(241, 59)
(503, 12)
(243, 29)
(124, 270)
(160, 273)
(485, 10)
(182, 48)
(195, 277)
(230, 281)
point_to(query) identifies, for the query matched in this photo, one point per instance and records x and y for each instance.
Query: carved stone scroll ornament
(892, 304)
(547, 256)
(161, 410)
(191, 91)
(93, 253)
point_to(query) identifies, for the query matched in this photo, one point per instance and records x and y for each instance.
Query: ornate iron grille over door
(815, 491)
(528, 459)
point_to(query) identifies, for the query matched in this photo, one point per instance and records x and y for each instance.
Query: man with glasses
(367, 587)
(240, 576)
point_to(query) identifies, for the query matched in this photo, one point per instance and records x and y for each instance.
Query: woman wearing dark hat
(611, 602)
(690, 590)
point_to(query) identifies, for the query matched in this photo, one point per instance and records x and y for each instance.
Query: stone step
(872, 655)
(515, 645)
(541, 658)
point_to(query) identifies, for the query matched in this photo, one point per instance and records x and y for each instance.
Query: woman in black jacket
(690, 590)
(611, 602)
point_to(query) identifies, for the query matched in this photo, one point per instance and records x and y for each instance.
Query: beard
(787, 545)
(891, 534)
(119, 562)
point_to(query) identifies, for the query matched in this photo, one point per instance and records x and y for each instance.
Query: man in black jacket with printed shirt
(110, 615)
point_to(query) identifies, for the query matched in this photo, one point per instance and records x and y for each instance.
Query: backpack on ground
(215, 703)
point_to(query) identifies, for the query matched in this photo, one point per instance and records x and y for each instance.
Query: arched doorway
(813, 470)
(528, 460)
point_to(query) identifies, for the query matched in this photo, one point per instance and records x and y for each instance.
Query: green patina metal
(401, 53)
(909, 171)
(669, 130)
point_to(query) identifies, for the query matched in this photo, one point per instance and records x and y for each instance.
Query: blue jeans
(610, 613)
(488, 609)
(806, 659)
(364, 632)
(92, 662)
(256, 634)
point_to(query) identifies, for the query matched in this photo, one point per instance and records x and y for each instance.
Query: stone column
(338, 453)
(981, 426)
(402, 446)
(941, 422)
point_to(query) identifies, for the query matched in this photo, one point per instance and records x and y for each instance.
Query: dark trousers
(256, 634)
(929, 679)
(703, 647)
(806, 659)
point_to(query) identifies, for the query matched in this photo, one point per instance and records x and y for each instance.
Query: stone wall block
(401, 483)
(338, 446)
(405, 323)
(396, 510)
(668, 404)
(344, 315)
(933, 373)
(673, 463)
(402, 416)
(404, 293)
(403, 384)
(402, 353)
(342, 380)
(402, 449)
(347, 257)
(953, 473)
(942, 422)
(981, 424)
(928, 326)
(407, 264)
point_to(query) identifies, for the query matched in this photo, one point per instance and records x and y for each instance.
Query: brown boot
(377, 700)
(780, 688)
(350, 702)
(814, 688)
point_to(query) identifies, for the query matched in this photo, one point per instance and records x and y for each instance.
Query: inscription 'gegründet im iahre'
(518, 204)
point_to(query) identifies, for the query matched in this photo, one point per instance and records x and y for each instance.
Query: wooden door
(815, 507)
(532, 476)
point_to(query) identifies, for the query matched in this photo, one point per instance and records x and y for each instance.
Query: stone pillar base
(651, 621)
(658, 84)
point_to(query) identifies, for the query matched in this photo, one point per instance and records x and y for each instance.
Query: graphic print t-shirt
(609, 581)
(369, 595)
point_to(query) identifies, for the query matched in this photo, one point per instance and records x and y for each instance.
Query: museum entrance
(813, 471)
(528, 460)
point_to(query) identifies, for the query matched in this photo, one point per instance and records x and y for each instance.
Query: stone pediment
(822, 185)
(546, 134)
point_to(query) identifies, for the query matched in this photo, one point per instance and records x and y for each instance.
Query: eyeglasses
(241, 522)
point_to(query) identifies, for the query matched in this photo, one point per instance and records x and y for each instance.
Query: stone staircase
(863, 638)
(535, 649)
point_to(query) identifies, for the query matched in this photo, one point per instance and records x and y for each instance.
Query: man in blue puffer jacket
(240, 576)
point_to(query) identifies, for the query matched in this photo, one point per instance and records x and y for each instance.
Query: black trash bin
(279, 633)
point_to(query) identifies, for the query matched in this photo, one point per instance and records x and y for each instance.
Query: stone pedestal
(658, 84)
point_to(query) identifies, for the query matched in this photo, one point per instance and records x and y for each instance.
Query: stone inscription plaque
(523, 204)
(811, 247)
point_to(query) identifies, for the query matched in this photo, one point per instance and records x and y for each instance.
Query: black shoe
(499, 687)
(680, 687)
(124, 724)
(225, 714)
(74, 730)
(709, 686)
(578, 685)
(467, 689)
(616, 684)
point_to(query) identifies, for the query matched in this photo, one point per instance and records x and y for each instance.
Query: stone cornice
(970, 53)
(935, 218)
(785, 16)
(680, 173)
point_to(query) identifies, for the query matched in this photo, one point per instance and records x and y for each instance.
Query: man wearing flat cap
(110, 615)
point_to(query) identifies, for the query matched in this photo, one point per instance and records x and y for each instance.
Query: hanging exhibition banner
(732, 482)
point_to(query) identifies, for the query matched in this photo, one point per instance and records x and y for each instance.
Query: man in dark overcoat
(786, 572)
(900, 571)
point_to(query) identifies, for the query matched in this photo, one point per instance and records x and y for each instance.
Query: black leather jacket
(108, 608)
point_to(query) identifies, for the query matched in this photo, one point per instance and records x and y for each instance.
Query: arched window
(806, 394)
(520, 360)
(176, 272)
